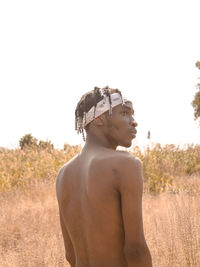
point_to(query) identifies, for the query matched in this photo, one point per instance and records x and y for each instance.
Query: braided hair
(89, 100)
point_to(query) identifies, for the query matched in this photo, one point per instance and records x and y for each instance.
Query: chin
(127, 144)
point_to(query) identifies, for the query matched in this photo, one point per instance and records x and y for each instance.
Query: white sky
(52, 52)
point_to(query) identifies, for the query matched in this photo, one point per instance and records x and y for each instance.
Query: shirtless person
(100, 190)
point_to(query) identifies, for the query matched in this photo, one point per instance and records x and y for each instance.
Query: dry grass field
(30, 233)
(172, 227)
(31, 236)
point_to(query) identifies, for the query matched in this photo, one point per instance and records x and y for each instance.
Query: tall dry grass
(29, 227)
(31, 235)
(20, 168)
(161, 165)
(172, 227)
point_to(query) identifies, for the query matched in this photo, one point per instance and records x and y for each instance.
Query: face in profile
(121, 125)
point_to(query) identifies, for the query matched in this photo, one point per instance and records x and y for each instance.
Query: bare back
(91, 209)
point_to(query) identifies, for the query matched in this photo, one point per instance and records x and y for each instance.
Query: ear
(99, 121)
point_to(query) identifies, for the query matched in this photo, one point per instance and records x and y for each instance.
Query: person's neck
(93, 141)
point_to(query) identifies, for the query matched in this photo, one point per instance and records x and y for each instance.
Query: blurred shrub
(27, 140)
(46, 145)
(19, 168)
(71, 151)
(161, 164)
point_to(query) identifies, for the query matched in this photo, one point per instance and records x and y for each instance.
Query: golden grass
(30, 230)
(22, 168)
(161, 165)
(31, 235)
(172, 228)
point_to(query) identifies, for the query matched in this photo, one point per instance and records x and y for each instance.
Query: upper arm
(69, 250)
(61, 197)
(131, 190)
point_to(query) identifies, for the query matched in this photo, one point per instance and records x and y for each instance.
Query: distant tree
(149, 135)
(196, 101)
(46, 145)
(27, 140)
(67, 148)
(198, 64)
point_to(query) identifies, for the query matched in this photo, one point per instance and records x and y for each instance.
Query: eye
(125, 112)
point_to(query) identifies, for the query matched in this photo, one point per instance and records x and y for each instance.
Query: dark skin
(100, 197)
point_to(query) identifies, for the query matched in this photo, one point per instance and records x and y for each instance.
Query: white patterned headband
(102, 106)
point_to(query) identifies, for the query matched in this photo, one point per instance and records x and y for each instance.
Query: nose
(134, 123)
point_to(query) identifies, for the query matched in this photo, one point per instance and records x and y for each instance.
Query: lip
(134, 131)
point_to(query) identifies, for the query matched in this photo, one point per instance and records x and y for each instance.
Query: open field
(20, 168)
(30, 233)
(31, 236)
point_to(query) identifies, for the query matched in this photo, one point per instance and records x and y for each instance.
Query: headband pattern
(107, 103)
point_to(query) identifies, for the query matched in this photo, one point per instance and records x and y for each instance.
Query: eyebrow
(132, 110)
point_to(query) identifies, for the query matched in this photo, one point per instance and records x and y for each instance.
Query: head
(105, 112)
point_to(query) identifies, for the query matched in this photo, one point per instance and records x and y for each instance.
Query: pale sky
(52, 52)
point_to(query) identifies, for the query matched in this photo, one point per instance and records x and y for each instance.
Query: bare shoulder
(128, 171)
(66, 167)
(129, 160)
(122, 164)
(124, 161)
(118, 160)
(64, 173)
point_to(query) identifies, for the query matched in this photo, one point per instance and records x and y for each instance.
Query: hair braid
(89, 100)
(108, 93)
(119, 92)
(96, 92)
